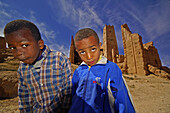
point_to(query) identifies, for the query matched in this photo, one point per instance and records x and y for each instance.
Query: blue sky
(58, 20)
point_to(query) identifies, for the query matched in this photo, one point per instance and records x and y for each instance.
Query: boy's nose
(89, 56)
(18, 51)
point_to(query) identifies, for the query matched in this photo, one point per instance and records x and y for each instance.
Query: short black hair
(19, 24)
(85, 33)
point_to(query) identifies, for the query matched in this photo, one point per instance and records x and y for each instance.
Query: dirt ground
(151, 94)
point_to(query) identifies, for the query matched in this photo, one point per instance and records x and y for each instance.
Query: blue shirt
(92, 87)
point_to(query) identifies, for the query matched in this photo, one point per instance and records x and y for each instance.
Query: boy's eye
(82, 52)
(93, 49)
(24, 45)
(12, 48)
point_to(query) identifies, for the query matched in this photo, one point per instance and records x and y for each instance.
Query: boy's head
(88, 46)
(24, 39)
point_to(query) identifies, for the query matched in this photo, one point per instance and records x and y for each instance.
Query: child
(98, 85)
(45, 75)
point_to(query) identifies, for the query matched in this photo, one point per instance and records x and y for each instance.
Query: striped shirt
(48, 90)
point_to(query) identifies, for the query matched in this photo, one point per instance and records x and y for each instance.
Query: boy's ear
(76, 50)
(41, 44)
(100, 44)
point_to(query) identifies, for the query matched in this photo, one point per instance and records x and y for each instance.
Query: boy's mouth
(22, 58)
(27, 60)
(91, 62)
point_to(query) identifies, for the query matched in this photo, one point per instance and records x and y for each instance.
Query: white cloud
(88, 17)
(75, 15)
(157, 20)
(63, 10)
(1, 32)
(47, 34)
(4, 16)
(154, 18)
(32, 17)
(2, 4)
(60, 48)
(4, 13)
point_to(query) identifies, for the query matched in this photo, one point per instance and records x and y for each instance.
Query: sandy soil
(151, 94)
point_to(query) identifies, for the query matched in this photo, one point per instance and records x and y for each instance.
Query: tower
(74, 57)
(110, 48)
(72, 50)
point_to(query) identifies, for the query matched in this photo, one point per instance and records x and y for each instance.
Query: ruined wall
(110, 47)
(133, 52)
(151, 55)
(141, 65)
(125, 34)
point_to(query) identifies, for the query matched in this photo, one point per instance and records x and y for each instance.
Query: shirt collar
(102, 60)
(46, 51)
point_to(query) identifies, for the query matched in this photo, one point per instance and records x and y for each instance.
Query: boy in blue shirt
(98, 85)
(45, 75)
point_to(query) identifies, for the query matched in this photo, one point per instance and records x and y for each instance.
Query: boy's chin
(27, 61)
(91, 63)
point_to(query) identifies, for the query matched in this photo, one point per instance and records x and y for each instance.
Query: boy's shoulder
(51, 52)
(111, 64)
(55, 52)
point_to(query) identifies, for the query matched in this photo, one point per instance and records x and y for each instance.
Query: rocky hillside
(8, 75)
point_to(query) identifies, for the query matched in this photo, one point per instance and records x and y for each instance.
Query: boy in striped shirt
(45, 75)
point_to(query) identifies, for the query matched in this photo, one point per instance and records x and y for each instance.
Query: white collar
(102, 60)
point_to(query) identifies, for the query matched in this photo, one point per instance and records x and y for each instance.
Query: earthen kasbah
(138, 58)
